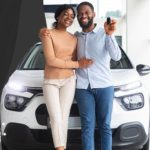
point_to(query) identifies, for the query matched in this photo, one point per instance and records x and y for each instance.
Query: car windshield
(34, 60)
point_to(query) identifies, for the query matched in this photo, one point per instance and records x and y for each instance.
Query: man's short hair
(85, 3)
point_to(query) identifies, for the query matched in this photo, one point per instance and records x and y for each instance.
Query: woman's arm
(74, 54)
(52, 60)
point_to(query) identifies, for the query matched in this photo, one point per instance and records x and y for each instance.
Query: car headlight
(17, 86)
(14, 102)
(132, 102)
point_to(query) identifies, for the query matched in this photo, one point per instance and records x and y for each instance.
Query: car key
(108, 20)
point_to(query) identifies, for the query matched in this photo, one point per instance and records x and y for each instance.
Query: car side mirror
(143, 69)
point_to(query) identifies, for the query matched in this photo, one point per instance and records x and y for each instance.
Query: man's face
(85, 16)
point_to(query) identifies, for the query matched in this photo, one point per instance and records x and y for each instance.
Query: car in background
(25, 121)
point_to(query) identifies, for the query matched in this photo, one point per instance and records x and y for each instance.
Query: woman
(59, 79)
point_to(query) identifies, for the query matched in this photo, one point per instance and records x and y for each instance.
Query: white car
(24, 117)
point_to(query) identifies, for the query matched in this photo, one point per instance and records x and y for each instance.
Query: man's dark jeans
(95, 102)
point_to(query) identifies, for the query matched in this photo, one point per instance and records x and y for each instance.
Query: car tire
(146, 146)
(3, 146)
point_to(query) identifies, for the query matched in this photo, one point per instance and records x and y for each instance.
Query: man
(95, 90)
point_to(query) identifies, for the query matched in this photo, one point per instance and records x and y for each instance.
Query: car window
(34, 60)
(123, 63)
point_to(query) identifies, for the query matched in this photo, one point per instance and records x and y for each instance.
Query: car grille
(42, 113)
(35, 91)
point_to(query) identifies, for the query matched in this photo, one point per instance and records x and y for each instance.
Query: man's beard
(85, 26)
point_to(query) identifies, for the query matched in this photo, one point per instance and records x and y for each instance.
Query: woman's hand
(84, 63)
(44, 32)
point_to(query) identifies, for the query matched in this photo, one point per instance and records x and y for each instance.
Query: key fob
(108, 20)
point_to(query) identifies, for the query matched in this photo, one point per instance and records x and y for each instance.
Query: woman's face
(66, 18)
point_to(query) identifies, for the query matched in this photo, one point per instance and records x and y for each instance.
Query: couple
(89, 53)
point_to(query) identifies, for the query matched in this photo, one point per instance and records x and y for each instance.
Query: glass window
(123, 63)
(115, 9)
(104, 8)
(35, 61)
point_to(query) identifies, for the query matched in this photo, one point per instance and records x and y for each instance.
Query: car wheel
(3, 146)
(146, 146)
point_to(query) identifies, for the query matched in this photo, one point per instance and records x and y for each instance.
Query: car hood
(124, 76)
(29, 78)
(35, 78)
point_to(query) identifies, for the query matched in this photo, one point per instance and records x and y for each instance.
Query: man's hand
(110, 28)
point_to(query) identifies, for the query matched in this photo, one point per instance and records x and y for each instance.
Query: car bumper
(18, 136)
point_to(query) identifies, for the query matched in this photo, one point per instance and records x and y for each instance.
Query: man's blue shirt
(99, 47)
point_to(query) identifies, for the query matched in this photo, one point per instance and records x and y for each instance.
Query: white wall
(138, 32)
